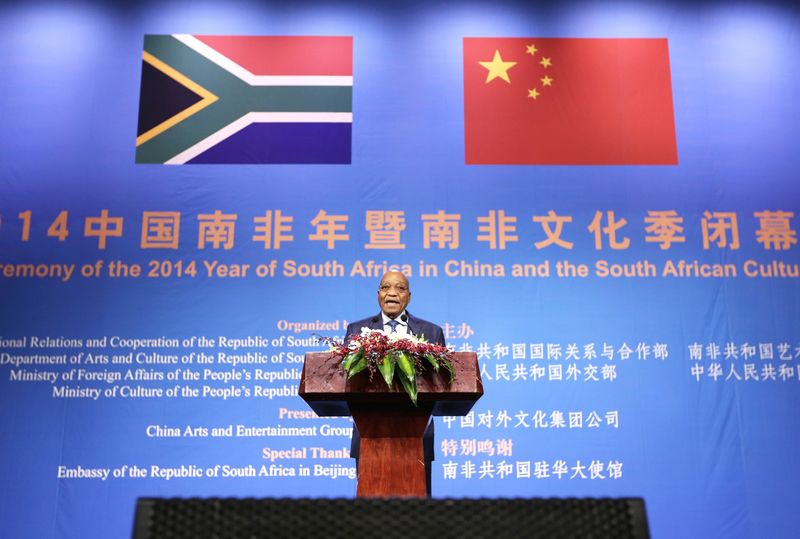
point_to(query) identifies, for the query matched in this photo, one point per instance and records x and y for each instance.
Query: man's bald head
(393, 293)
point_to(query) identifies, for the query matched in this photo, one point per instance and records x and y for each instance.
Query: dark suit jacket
(419, 328)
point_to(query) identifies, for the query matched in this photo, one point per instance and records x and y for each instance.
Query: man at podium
(394, 295)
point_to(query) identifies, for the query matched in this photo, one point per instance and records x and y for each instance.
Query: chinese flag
(566, 101)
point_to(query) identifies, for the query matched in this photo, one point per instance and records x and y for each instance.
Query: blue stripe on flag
(301, 143)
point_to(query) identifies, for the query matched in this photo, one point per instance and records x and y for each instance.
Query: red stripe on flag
(287, 55)
(607, 101)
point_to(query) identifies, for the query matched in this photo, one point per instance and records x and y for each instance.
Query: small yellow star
(497, 68)
(531, 49)
(546, 81)
(534, 93)
(546, 62)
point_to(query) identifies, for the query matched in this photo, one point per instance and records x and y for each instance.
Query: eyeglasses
(401, 288)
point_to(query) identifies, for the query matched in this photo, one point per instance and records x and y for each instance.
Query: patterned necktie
(393, 325)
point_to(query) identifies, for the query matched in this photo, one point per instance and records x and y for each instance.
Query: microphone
(404, 318)
(376, 318)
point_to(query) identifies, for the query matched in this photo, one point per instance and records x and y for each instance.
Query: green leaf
(387, 368)
(348, 360)
(433, 361)
(449, 366)
(406, 365)
(358, 365)
(410, 386)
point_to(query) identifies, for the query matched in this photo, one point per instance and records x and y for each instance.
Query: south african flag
(245, 99)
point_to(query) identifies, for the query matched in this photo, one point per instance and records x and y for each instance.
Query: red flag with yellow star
(568, 101)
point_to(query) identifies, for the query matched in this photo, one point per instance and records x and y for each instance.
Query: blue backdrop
(676, 383)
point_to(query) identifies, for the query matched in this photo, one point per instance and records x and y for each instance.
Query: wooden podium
(391, 461)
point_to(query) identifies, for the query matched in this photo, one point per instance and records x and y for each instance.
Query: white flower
(392, 337)
(367, 331)
(395, 337)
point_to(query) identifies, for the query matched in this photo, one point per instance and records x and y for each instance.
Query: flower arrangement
(395, 356)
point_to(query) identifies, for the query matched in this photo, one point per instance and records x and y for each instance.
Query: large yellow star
(497, 68)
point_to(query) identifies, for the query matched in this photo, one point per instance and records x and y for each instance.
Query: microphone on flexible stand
(404, 318)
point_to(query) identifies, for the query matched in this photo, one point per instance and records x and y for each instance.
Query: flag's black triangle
(161, 97)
